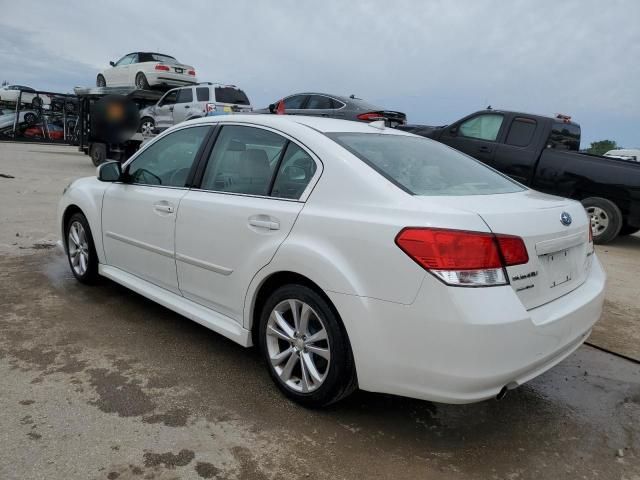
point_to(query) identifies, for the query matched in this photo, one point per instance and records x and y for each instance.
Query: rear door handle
(163, 207)
(262, 222)
(484, 149)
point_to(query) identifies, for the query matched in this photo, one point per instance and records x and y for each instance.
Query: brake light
(210, 107)
(459, 257)
(280, 108)
(192, 73)
(161, 67)
(370, 116)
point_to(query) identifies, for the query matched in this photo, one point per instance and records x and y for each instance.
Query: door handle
(266, 223)
(187, 106)
(484, 149)
(163, 207)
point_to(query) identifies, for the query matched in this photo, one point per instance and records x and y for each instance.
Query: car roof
(344, 99)
(319, 124)
(152, 53)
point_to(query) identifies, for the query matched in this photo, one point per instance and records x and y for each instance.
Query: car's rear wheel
(100, 81)
(305, 347)
(30, 118)
(81, 251)
(605, 217)
(146, 126)
(141, 81)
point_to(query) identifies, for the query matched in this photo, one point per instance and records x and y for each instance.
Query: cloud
(436, 60)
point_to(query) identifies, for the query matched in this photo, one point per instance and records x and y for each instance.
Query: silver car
(335, 106)
(186, 103)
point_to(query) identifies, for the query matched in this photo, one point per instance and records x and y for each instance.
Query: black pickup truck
(542, 153)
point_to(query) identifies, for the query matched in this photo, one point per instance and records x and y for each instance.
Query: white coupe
(147, 69)
(354, 255)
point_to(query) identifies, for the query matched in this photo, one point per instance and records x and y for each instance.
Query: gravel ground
(101, 383)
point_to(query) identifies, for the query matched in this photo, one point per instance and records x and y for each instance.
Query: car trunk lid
(555, 232)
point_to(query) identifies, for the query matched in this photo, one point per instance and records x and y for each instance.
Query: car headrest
(255, 164)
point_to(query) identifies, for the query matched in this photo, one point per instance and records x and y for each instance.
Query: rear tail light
(192, 72)
(463, 258)
(370, 116)
(161, 67)
(210, 107)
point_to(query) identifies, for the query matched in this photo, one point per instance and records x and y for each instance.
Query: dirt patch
(207, 470)
(169, 459)
(176, 417)
(118, 394)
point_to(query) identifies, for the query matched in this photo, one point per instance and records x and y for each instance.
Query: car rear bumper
(168, 78)
(461, 345)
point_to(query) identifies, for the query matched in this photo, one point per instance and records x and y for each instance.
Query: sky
(437, 61)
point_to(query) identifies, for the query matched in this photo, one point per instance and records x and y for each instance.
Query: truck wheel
(98, 153)
(606, 219)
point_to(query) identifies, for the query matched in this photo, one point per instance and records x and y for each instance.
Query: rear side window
(202, 93)
(294, 102)
(231, 95)
(320, 102)
(521, 132)
(565, 136)
(295, 173)
(482, 127)
(185, 95)
(423, 167)
(243, 160)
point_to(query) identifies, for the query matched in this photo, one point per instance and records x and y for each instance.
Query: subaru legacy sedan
(353, 255)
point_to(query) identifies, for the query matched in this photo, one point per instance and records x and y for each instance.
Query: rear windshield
(231, 95)
(157, 57)
(565, 136)
(424, 167)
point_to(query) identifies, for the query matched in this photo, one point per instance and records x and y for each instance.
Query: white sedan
(147, 69)
(354, 255)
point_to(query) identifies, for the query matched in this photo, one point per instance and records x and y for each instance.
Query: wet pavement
(98, 382)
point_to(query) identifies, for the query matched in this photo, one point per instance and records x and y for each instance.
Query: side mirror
(272, 108)
(113, 64)
(453, 130)
(110, 172)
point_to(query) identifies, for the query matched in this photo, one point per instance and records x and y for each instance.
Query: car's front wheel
(305, 347)
(81, 251)
(146, 126)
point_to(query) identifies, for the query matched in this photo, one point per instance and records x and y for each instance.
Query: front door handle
(163, 207)
(484, 149)
(187, 106)
(262, 221)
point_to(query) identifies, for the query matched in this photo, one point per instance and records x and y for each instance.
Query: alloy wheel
(78, 247)
(599, 220)
(298, 346)
(146, 128)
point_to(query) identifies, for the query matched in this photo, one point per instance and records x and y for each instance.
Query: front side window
(294, 102)
(167, 161)
(185, 95)
(126, 60)
(320, 102)
(482, 127)
(169, 98)
(243, 160)
(423, 167)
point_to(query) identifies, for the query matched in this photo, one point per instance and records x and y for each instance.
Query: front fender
(85, 194)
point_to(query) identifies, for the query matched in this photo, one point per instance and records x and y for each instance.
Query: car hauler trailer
(109, 119)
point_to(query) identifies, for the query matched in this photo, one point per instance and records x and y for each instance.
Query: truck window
(564, 136)
(482, 127)
(521, 132)
(203, 94)
(185, 95)
(231, 95)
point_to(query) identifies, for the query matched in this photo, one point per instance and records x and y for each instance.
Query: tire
(141, 81)
(81, 251)
(100, 81)
(606, 219)
(147, 124)
(98, 153)
(329, 378)
(628, 230)
(30, 118)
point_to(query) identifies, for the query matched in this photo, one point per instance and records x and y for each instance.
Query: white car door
(118, 74)
(163, 111)
(138, 215)
(231, 226)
